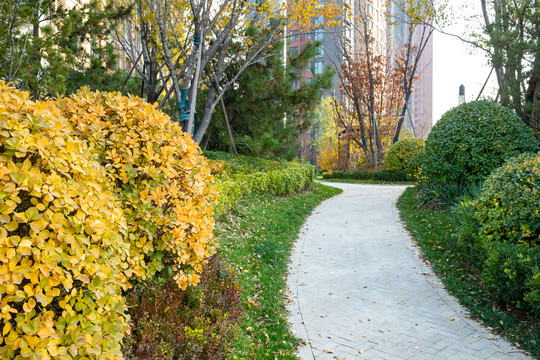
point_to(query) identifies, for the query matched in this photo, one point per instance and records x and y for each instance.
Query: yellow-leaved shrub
(64, 260)
(161, 178)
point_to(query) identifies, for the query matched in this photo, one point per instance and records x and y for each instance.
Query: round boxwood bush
(472, 140)
(400, 154)
(509, 230)
(508, 206)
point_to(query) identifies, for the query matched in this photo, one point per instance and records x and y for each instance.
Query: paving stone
(356, 282)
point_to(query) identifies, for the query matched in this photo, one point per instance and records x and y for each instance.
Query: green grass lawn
(256, 241)
(434, 232)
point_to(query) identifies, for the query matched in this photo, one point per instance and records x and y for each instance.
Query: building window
(370, 9)
(310, 65)
(319, 35)
(309, 80)
(320, 51)
(294, 35)
(318, 67)
(294, 84)
(294, 51)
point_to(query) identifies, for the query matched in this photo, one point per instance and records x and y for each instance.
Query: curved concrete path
(358, 289)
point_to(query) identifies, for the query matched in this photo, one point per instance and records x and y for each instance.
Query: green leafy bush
(402, 152)
(508, 207)
(414, 167)
(503, 225)
(238, 176)
(472, 140)
(375, 175)
(198, 323)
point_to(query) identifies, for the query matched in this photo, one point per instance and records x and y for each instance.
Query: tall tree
(271, 104)
(513, 32)
(184, 41)
(45, 47)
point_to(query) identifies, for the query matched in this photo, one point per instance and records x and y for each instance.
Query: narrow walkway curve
(358, 289)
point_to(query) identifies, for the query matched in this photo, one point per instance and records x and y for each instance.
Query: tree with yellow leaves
(186, 43)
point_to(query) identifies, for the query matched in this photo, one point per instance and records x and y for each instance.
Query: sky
(455, 63)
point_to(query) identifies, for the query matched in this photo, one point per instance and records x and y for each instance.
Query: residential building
(419, 118)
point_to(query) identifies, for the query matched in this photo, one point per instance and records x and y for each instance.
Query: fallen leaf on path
(328, 351)
(361, 351)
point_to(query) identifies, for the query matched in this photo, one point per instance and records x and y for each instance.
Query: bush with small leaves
(472, 140)
(240, 175)
(160, 176)
(64, 258)
(508, 219)
(400, 154)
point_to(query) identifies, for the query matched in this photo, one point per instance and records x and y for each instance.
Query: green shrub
(508, 218)
(402, 152)
(508, 208)
(472, 140)
(512, 274)
(415, 165)
(238, 176)
(375, 175)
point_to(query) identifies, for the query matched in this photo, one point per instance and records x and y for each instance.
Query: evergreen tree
(271, 105)
(49, 49)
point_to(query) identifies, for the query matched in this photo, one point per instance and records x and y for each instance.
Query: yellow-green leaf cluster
(160, 176)
(64, 260)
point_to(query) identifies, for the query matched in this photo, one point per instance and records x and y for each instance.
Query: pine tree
(49, 49)
(271, 105)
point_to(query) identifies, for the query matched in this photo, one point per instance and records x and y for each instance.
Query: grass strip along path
(256, 241)
(434, 232)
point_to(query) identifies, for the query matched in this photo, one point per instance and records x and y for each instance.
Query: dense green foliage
(501, 228)
(49, 50)
(472, 140)
(238, 176)
(458, 263)
(271, 106)
(508, 207)
(256, 241)
(400, 154)
(377, 175)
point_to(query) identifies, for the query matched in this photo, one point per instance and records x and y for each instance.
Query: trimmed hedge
(239, 175)
(472, 140)
(402, 152)
(376, 175)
